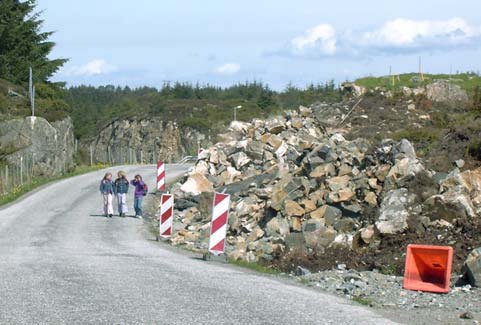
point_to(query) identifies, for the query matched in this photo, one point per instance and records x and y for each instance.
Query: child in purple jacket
(139, 193)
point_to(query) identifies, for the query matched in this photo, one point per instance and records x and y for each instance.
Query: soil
(389, 257)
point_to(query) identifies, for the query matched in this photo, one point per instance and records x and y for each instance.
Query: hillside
(467, 81)
(208, 109)
(49, 103)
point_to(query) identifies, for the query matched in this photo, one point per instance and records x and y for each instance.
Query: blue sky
(148, 42)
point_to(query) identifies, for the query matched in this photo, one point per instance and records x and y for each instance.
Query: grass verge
(254, 267)
(21, 190)
(363, 301)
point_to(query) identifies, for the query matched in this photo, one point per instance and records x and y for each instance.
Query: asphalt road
(62, 262)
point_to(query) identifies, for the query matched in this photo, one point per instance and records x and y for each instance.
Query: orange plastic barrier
(428, 268)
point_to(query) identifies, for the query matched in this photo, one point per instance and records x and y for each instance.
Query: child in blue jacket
(121, 187)
(107, 190)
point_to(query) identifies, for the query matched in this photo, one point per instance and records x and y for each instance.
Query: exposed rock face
(47, 147)
(145, 141)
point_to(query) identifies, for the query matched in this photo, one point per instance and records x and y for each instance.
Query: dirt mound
(389, 256)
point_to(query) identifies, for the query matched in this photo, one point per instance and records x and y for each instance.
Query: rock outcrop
(145, 141)
(46, 148)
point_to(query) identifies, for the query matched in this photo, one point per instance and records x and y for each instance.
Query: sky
(222, 42)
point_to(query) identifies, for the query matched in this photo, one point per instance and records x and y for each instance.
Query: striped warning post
(160, 176)
(166, 215)
(218, 228)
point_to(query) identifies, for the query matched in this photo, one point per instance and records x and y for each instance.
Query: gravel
(385, 294)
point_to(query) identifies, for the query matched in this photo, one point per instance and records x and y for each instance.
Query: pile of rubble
(296, 182)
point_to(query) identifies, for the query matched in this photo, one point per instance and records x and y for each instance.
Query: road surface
(62, 262)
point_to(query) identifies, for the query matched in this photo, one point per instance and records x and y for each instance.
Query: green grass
(21, 190)
(389, 269)
(363, 301)
(466, 81)
(254, 267)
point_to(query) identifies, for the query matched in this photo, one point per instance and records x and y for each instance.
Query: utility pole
(31, 90)
(420, 69)
(235, 111)
(391, 76)
(33, 101)
(91, 156)
(450, 76)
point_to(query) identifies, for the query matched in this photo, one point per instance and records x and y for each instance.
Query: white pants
(122, 203)
(108, 208)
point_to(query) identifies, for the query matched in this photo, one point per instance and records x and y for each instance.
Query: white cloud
(321, 38)
(393, 37)
(228, 68)
(92, 68)
(407, 34)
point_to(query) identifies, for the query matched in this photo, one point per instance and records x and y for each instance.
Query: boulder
(338, 183)
(255, 150)
(368, 235)
(240, 159)
(277, 226)
(405, 148)
(331, 214)
(296, 224)
(285, 189)
(316, 235)
(305, 111)
(445, 91)
(293, 209)
(297, 123)
(255, 234)
(371, 199)
(275, 126)
(197, 183)
(323, 170)
(449, 206)
(394, 211)
(342, 195)
(404, 170)
(309, 205)
(273, 140)
(472, 267)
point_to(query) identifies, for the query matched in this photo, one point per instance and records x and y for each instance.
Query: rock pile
(297, 183)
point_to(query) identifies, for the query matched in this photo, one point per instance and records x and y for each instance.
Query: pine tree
(23, 44)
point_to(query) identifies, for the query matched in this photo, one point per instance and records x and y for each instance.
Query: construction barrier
(428, 268)
(160, 176)
(166, 215)
(218, 228)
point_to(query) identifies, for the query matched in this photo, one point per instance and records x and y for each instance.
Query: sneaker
(110, 216)
(139, 217)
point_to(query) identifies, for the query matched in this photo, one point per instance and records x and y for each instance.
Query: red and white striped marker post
(218, 227)
(166, 215)
(160, 176)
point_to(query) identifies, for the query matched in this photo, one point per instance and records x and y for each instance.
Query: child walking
(121, 187)
(107, 189)
(139, 193)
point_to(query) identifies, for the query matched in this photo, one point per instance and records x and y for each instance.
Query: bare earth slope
(61, 262)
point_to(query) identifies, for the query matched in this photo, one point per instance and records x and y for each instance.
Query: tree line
(207, 108)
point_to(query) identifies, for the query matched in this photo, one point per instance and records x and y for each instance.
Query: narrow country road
(62, 262)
